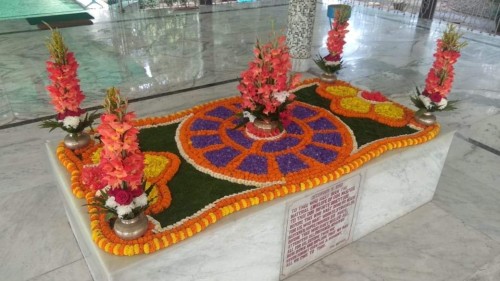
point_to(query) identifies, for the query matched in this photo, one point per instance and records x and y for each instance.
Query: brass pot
(266, 126)
(132, 228)
(76, 140)
(425, 117)
(328, 77)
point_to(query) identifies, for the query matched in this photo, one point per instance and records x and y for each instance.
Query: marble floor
(165, 61)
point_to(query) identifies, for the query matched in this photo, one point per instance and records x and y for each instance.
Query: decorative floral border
(336, 105)
(152, 241)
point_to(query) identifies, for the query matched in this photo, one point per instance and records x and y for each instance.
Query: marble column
(301, 14)
(427, 9)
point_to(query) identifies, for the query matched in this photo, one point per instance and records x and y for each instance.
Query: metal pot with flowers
(440, 78)
(265, 89)
(66, 95)
(118, 178)
(332, 63)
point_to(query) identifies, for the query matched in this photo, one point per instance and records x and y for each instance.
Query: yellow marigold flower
(355, 104)
(342, 91)
(153, 194)
(96, 156)
(389, 110)
(154, 165)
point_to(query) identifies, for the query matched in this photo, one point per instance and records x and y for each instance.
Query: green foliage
(321, 63)
(100, 203)
(86, 122)
(433, 107)
(55, 45)
(451, 39)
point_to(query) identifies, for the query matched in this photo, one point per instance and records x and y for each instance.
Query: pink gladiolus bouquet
(119, 175)
(264, 86)
(440, 78)
(64, 89)
(335, 42)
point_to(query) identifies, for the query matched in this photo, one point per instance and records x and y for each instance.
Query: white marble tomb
(248, 245)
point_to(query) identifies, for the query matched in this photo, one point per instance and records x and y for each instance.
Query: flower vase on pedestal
(425, 117)
(76, 140)
(130, 229)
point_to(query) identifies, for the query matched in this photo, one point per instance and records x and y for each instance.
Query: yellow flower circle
(342, 91)
(355, 104)
(154, 165)
(389, 110)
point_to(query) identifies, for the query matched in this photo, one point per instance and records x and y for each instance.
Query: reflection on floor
(34, 8)
(149, 53)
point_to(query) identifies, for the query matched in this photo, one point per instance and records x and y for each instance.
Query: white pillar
(301, 14)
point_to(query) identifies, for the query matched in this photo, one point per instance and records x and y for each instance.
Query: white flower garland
(178, 120)
(271, 138)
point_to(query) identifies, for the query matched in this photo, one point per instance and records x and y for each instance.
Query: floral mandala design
(350, 101)
(314, 140)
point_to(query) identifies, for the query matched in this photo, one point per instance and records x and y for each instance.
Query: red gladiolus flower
(64, 89)
(335, 41)
(440, 77)
(93, 178)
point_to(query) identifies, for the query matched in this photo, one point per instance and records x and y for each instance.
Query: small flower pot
(425, 117)
(328, 77)
(263, 130)
(76, 140)
(265, 126)
(131, 229)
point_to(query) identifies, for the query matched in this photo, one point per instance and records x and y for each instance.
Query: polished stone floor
(165, 61)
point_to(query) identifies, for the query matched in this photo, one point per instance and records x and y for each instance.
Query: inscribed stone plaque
(319, 224)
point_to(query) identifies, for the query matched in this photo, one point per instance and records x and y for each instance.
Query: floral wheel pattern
(350, 101)
(314, 140)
